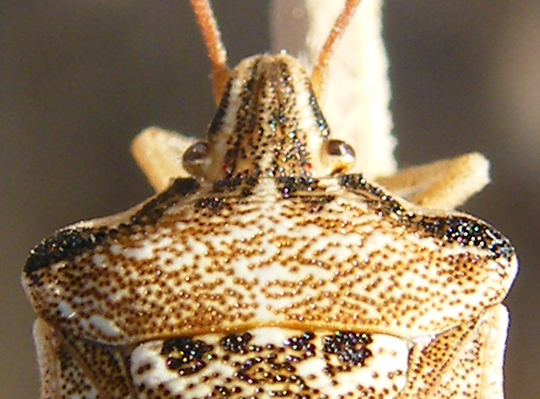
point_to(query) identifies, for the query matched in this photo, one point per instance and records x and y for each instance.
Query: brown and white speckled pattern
(269, 363)
(270, 236)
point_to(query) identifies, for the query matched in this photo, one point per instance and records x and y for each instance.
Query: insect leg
(444, 184)
(158, 153)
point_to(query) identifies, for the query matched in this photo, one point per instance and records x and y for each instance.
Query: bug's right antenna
(320, 70)
(214, 45)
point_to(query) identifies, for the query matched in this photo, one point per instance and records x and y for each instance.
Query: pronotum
(269, 270)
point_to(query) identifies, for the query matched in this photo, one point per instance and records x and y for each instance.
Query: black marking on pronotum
(374, 196)
(153, 210)
(227, 185)
(67, 244)
(291, 185)
(64, 245)
(469, 232)
(245, 183)
(214, 204)
(454, 229)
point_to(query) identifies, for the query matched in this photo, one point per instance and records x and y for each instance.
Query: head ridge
(268, 124)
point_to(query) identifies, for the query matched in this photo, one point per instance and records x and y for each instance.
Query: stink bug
(270, 270)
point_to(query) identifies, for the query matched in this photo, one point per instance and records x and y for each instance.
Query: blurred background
(79, 78)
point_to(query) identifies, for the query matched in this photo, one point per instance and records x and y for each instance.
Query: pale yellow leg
(444, 184)
(158, 153)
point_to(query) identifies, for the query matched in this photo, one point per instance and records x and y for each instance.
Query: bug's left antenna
(214, 45)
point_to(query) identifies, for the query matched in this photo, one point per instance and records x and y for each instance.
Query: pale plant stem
(357, 94)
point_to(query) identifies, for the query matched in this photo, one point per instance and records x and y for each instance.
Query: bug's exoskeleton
(270, 271)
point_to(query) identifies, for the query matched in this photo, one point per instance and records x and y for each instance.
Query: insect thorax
(269, 273)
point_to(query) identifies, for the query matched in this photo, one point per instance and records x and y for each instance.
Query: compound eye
(195, 159)
(338, 156)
